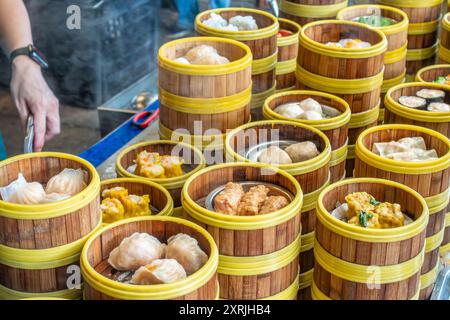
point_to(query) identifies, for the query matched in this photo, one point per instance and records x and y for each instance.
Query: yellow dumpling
(115, 193)
(152, 171)
(136, 206)
(145, 159)
(389, 215)
(112, 210)
(172, 166)
(358, 201)
(366, 220)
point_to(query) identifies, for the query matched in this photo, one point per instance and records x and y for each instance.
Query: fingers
(53, 123)
(39, 129)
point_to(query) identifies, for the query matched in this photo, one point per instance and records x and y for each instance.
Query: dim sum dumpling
(216, 21)
(289, 110)
(69, 181)
(159, 271)
(22, 192)
(199, 51)
(302, 151)
(182, 60)
(185, 249)
(385, 148)
(413, 142)
(136, 251)
(341, 212)
(311, 105)
(310, 115)
(244, 23)
(274, 155)
(438, 107)
(55, 197)
(210, 59)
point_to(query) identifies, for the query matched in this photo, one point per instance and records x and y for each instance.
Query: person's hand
(31, 95)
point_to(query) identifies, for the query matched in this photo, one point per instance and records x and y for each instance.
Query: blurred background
(98, 71)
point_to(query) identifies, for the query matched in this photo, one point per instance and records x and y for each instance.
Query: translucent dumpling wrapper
(185, 249)
(22, 192)
(210, 59)
(310, 115)
(158, 272)
(311, 105)
(330, 112)
(216, 21)
(341, 212)
(289, 110)
(413, 142)
(199, 51)
(385, 148)
(302, 151)
(69, 181)
(182, 60)
(55, 197)
(135, 251)
(112, 210)
(274, 155)
(244, 23)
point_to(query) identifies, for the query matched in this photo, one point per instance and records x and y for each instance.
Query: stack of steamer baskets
(397, 38)
(258, 254)
(40, 244)
(198, 103)
(444, 45)
(355, 75)
(305, 11)
(243, 145)
(355, 263)
(262, 43)
(287, 55)
(424, 18)
(429, 178)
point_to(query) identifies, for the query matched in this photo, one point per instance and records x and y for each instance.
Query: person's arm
(29, 89)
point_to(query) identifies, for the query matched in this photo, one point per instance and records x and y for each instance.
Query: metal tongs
(29, 135)
(273, 4)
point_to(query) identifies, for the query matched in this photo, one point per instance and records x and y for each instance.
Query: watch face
(39, 57)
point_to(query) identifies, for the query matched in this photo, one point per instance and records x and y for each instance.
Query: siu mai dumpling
(152, 171)
(185, 249)
(302, 151)
(158, 272)
(289, 110)
(274, 155)
(172, 166)
(115, 192)
(22, 192)
(112, 210)
(135, 251)
(136, 206)
(69, 181)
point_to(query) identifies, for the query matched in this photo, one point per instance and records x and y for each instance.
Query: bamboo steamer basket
(258, 255)
(430, 73)
(355, 75)
(396, 113)
(218, 97)
(305, 11)
(417, 59)
(445, 246)
(192, 156)
(201, 285)
(287, 56)
(262, 43)
(67, 294)
(354, 263)
(336, 129)
(429, 178)
(38, 243)
(444, 44)
(160, 198)
(424, 17)
(313, 174)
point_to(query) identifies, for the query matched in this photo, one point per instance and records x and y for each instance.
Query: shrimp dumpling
(311, 105)
(158, 272)
(135, 251)
(69, 181)
(310, 115)
(185, 249)
(289, 110)
(22, 192)
(210, 59)
(199, 51)
(302, 151)
(274, 155)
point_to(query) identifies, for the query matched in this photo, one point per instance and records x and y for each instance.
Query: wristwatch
(33, 53)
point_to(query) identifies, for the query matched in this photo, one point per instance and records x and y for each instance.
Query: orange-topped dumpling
(136, 206)
(112, 210)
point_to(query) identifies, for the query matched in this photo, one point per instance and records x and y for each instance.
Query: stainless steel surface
(441, 289)
(274, 191)
(254, 152)
(29, 135)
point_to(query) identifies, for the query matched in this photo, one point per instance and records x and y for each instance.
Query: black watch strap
(33, 53)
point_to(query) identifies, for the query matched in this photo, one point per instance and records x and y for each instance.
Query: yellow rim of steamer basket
(324, 124)
(295, 168)
(418, 115)
(243, 222)
(287, 66)
(412, 3)
(444, 249)
(205, 105)
(322, 49)
(420, 73)
(433, 242)
(387, 84)
(398, 27)
(447, 219)
(259, 98)
(339, 155)
(364, 273)
(430, 277)
(422, 54)
(55, 209)
(310, 199)
(438, 202)
(205, 70)
(365, 118)
(281, 91)
(265, 64)
(444, 53)
(305, 279)
(446, 22)
(312, 11)
(256, 265)
(169, 183)
(67, 294)
(159, 291)
(423, 28)
(168, 208)
(339, 86)
(403, 167)
(290, 293)
(291, 39)
(367, 234)
(307, 241)
(248, 35)
(396, 55)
